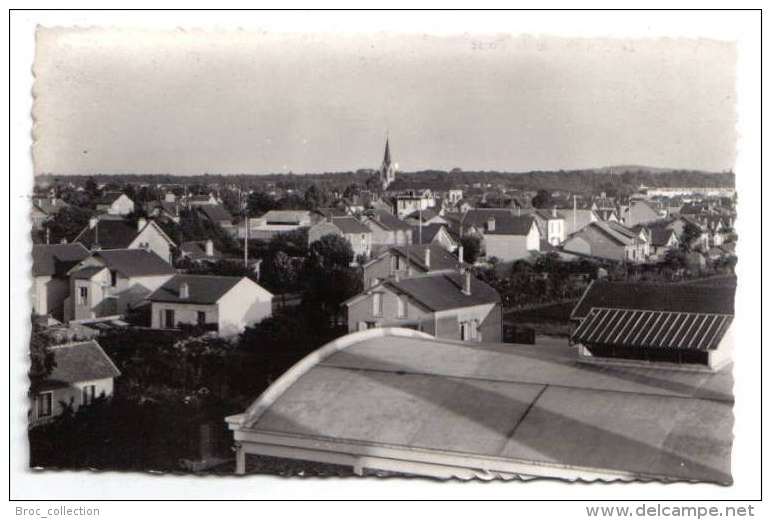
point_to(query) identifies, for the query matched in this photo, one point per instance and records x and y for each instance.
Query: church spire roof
(387, 156)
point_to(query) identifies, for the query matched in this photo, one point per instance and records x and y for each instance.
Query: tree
(67, 223)
(543, 199)
(42, 361)
(315, 197)
(691, 235)
(472, 247)
(260, 202)
(330, 251)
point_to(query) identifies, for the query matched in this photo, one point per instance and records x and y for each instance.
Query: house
(663, 323)
(114, 203)
(274, 223)
(44, 209)
(551, 225)
(577, 219)
(81, 373)
(109, 233)
(412, 201)
(110, 282)
(402, 402)
(388, 230)
(216, 213)
(201, 200)
(609, 241)
(639, 212)
(356, 233)
(424, 218)
(662, 241)
(199, 252)
(449, 305)
(406, 261)
(51, 285)
(226, 304)
(165, 210)
(505, 235)
(437, 234)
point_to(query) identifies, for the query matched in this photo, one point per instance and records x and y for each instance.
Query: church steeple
(388, 168)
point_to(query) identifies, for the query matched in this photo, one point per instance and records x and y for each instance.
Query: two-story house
(388, 230)
(226, 304)
(51, 285)
(609, 241)
(110, 282)
(115, 203)
(504, 234)
(412, 260)
(356, 233)
(449, 305)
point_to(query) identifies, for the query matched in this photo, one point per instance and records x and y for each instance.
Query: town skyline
(234, 103)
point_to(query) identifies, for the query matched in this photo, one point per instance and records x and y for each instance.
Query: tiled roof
(50, 206)
(652, 329)
(135, 262)
(656, 297)
(349, 225)
(56, 259)
(389, 221)
(197, 251)
(111, 234)
(216, 213)
(443, 291)
(660, 236)
(85, 273)
(506, 221)
(202, 289)
(76, 362)
(428, 233)
(439, 257)
(618, 233)
(109, 197)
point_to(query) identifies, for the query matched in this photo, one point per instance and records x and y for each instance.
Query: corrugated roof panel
(652, 329)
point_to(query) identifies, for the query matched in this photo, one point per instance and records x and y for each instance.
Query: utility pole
(245, 206)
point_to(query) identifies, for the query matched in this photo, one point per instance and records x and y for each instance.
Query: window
(464, 331)
(44, 404)
(113, 278)
(82, 295)
(377, 304)
(200, 318)
(168, 318)
(401, 306)
(88, 394)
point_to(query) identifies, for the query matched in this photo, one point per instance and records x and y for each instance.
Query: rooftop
(135, 262)
(399, 400)
(202, 289)
(349, 225)
(76, 362)
(56, 259)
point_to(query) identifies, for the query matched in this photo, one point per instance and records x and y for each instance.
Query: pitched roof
(202, 289)
(429, 232)
(439, 258)
(389, 221)
(656, 297)
(443, 291)
(50, 206)
(286, 217)
(85, 273)
(660, 236)
(76, 362)
(506, 221)
(349, 225)
(616, 232)
(215, 213)
(109, 197)
(109, 233)
(56, 259)
(134, 262)
(196, 250)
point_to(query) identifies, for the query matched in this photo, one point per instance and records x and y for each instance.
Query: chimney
(467, 282)
(491, 224)
(92, 222)
(460, 253)
(554, 212)
(184, 291)
(602, 194)
(427, 257)
(141, 223)
(209, 246)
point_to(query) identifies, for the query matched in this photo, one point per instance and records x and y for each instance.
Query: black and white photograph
(369, 256)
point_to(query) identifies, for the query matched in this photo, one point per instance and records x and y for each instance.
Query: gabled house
(505, 235)
(216, 213)
(115, 203)
(577, 219)
(437, 234)
(165, 210)
(51, 285)
(388, 230)
(356, 233)
(655, 323)
(82, 372)
(45, 209)
(226, 304)
(662, 241)
(201, 200)
(105, 234)
(278, 222)
(551, 225)
(412, 260)
(449, 305)
(412, 201)
(639, 212)
(424, 218)
(609, 241)
(110, 282)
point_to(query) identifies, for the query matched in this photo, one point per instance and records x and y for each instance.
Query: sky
(192, 101)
